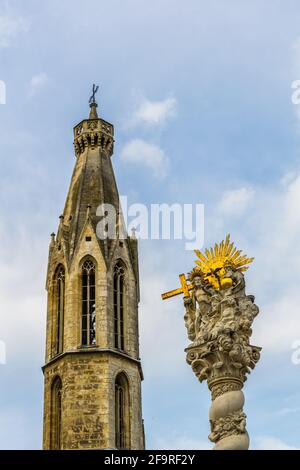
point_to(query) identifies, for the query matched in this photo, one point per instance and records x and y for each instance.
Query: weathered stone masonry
(84, 413)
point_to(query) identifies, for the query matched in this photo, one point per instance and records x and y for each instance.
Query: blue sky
(203, 88)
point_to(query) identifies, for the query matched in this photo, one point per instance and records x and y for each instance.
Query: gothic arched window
(88, 303)
(60, 307)
(56, 415)
(122, 413)
(119, 305)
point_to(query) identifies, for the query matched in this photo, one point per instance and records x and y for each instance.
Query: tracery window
(56, 414)
(122, 413)
(88, 303)
(60, 309)
(119, 305)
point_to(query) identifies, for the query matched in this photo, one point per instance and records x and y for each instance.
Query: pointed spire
(93, 142)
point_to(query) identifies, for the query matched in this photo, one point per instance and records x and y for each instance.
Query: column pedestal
(225, 379)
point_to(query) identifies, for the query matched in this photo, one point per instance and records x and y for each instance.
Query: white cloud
(38, 83)
(10, 28)
(154, 112)
(16, 421)
(22, 316)
(295, 83)
(235, 202)
(271, 443)
(280, 222)
(279, 324)
(138, 151)
(157, 319)
(272, 232)
(274, 227)
(286, 411)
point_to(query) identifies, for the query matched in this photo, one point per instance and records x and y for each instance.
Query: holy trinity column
(219, 315)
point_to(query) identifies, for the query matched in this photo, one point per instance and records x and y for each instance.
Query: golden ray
(217, 252)
(236, 255)
(227, 241)
(200, 255)
(230, 248)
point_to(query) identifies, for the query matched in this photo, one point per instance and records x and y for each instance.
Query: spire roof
(93, 181)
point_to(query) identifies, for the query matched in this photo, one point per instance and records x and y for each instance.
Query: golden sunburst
(212, 264)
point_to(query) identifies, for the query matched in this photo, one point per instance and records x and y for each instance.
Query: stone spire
(93, 182)
(92, 368)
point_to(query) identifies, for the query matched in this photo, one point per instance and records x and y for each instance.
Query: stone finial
(93, 111)
(133, 233)
(52, 239)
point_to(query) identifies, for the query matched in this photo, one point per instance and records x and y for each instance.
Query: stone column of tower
(92, 371)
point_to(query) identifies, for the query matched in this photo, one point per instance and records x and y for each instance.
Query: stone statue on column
(218, 318)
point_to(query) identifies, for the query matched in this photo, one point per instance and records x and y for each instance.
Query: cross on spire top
(92, 100)
(93, 103)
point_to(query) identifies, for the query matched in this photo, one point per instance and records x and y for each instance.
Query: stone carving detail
(106, 128)
(221, 388)
(230, 425)
(92, 124)
(93, 133)
(219, 324)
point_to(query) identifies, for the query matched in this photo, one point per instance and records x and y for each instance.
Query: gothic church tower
(92, 372)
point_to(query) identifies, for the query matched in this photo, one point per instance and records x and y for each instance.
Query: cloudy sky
(200, 96)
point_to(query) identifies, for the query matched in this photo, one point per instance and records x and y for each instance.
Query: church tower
(92, 371)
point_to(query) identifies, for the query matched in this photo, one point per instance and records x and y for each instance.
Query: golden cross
(184, 289)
